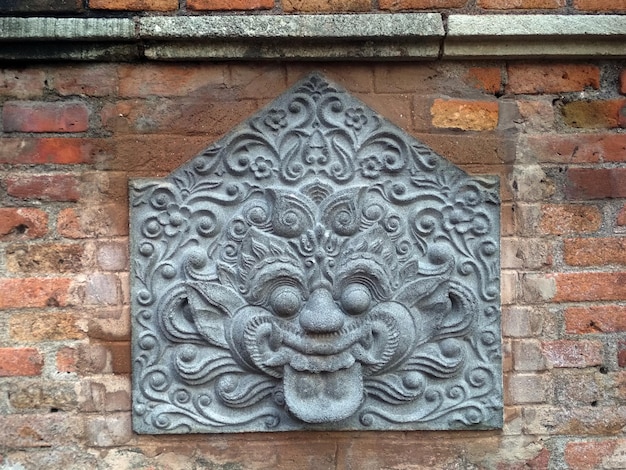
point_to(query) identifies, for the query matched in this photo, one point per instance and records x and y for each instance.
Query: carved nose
(321, 314)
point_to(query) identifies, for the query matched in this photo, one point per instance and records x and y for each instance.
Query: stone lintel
(401, 36)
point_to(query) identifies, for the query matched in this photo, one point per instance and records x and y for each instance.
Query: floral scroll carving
(315, 269)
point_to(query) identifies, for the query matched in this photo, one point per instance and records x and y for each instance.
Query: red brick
(622, 82)
(595, 251)
(20, 362)
(22, 83)
(182, 116)
(573, 354)
(396, 108)
(621, 353)
(588, 183)
(595, 319)
(419, 4)
(588, 455)
(317, 6)
(108, 220)
(43, 187)
(551, 78)
(621, 217)
(120, 357)
(34, 292)
(37, 258)
(134, 5)
(170, 80)
(22, 116)
(600, 5)
(25, 222)
(37, 6)
(593, 114)
(590, 286)
(53, 150)
(84, 80)
(31, 327)
(487, 79)
(464, 114)
(560, 219)
(520, 4)
(578, 148)
(229, 4)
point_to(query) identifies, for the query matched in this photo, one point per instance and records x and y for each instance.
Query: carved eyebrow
(367, 271)
(263, 282)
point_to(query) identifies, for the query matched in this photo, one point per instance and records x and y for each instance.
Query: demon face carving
(349, 281)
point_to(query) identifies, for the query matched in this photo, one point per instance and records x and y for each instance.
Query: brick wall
(72, 134)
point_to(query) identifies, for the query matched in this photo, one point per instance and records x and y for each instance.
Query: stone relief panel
(317, 268)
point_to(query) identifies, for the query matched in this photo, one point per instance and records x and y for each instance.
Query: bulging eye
(356, 299)
(286, 301)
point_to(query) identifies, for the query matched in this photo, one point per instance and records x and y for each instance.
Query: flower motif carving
(315, 269)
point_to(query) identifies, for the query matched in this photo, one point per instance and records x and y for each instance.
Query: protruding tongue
(323, 397)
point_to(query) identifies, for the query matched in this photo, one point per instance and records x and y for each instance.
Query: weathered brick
(520, 321)
(396, 108)
(356, 76)
(134, 5)
(584, 387)
(20, 362)
(620, 220)
(526, 78)
(590, 286)
(508, 287)
(569, 353)
(537, 288)
(577, 148)
(182, 116)
(595, 319)
(45, 258)
(42, 395)
(595, 251)
(60, 187)
(84, 80)
(109, 220)
(230, 4)
(622, 82)
(595, 183)
(520, 4)
(40, 6)
(23, 116)
(465, 114)
(106, 393)
(536, 115)
(41, 430)
(487, 79)
(33, 327)
(419, 4)
(113, 429)
(621, 353)
(528, 253)
(22, 223)
(66, 358)
(102, 289)
(527, 356)
(22, 83)
(470, 149)
(34, 292)
(317, 6)
(526, 388)
(170, 80)
(588, 455)
(561, 219)
(600, 5)
(53, 150)
(109, 325)
(593, 114)
(120, 356)
(540, 461)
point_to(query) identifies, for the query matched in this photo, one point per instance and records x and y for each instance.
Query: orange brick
(20, 223)
(595, 319)
(595, 251)
(419, 4)
(37, 327)
(34, 292)
(590, 287)
(326, 5)
(560, 219)
(594, 114)
(64, 151)
(600, 5)
(488, 79)
(551, 78)
(520, 4)
(464, 114)
(20, 362)
(229, 4)
(23, 116)
(134, 5)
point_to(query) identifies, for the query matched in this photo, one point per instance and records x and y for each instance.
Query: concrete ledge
(401, 36)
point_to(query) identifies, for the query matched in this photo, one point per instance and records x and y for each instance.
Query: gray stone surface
(317, 268)
(360, 26)
(70, 29)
